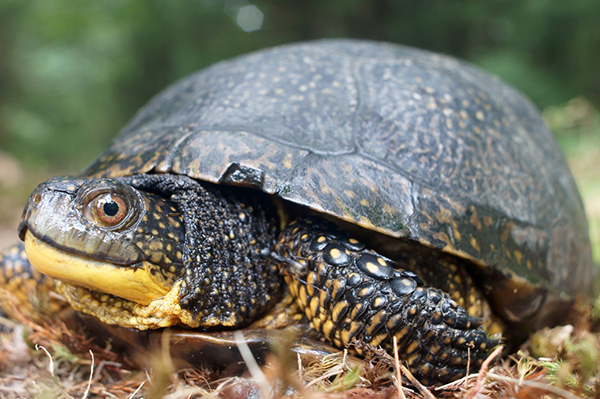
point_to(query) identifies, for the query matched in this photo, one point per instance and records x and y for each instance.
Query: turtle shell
(412, 144)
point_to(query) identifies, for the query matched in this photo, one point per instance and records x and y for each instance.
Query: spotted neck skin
(229, 278)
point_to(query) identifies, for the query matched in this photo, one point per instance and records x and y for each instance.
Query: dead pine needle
(51, 370)
(423, 390)
(51, 364)
(468, 364)
(251, 364)
(398, 372)
(483, 371)
(300, 369)
(87, 389)
(137, 390)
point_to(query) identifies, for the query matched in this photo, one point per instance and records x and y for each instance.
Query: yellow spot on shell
(474, 243)
(474, 219)
(506, 232)
(388, 209)
(457, 235)
(518, 256)
(287, 162)
(364, 202)
(441, 236)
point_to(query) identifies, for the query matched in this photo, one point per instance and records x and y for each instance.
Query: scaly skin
(349, 292)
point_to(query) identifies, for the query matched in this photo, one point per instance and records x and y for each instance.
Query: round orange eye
(109, 209)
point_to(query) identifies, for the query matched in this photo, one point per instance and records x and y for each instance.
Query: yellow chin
(161, 312)
(133, 284)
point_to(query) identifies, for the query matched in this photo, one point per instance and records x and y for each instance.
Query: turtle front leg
(349, 292)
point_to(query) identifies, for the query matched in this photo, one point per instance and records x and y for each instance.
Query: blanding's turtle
(392, 191)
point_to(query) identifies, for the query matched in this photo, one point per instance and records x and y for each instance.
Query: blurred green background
(72, 73)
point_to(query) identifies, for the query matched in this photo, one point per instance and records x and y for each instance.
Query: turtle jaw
(128, 297)
(131, 283)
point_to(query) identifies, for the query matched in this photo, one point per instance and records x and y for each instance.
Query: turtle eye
(107, 210)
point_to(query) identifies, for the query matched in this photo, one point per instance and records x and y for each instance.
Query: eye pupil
(110, 208)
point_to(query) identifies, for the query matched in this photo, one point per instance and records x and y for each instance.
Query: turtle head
(100, 239)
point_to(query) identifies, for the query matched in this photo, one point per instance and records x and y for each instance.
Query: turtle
(393, 193)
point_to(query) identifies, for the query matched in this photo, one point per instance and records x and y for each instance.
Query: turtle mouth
(136, 284)
(128, 297)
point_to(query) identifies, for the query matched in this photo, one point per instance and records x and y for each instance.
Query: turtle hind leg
(349, 292)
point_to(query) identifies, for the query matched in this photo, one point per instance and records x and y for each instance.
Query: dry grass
(40, 357)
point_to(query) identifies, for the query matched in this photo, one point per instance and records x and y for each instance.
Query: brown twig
(484, 370)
